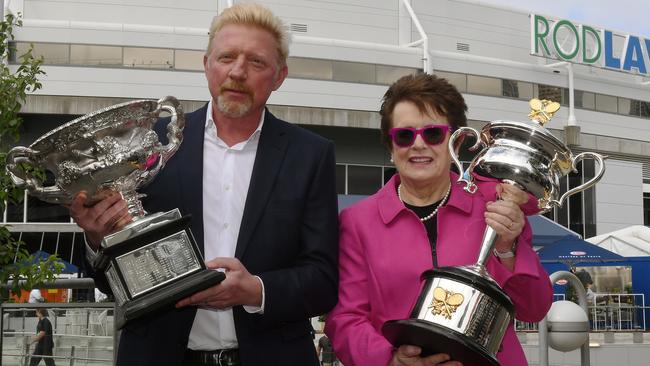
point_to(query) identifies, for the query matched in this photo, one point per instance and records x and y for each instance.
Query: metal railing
(83, 333)
(609, 312)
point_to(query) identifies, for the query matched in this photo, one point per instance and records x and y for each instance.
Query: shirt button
(227, 188)
(225, 226)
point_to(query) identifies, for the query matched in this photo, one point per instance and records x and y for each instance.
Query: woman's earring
(391, 159)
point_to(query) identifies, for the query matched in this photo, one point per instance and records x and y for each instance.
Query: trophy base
(433, 338)
(167, 297)
(152, 264)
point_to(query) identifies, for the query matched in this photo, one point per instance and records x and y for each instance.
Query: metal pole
(543, 326)
(571, 121)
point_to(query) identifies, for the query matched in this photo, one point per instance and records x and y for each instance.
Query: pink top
(384, 249)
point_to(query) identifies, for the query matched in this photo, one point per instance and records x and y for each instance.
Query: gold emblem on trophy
(445, 302)
(542, 110)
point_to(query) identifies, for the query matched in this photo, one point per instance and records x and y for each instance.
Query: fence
(609, 312)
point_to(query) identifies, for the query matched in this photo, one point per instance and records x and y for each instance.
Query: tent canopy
(633, 241)
(571, 250)
(67, 267)
(547, 231)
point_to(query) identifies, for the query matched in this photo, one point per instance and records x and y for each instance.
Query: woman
(422, 219)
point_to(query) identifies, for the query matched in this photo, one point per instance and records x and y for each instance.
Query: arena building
(343, 56)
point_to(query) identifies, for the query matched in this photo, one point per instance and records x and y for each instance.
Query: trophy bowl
(462, 310)
(111, 150)
(154, 261)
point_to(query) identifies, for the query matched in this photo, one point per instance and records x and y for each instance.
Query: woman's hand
(505, 215)
(410, 356)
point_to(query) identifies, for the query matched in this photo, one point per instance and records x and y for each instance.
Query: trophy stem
(489, 238)
(134, 204)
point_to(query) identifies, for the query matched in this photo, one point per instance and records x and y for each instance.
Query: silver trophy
(461, 310)
(154, 261)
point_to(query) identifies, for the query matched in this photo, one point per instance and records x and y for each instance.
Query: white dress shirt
(227, 174)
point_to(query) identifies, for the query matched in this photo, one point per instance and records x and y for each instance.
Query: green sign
(579, 43)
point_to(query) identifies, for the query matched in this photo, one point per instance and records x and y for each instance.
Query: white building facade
(343, 56)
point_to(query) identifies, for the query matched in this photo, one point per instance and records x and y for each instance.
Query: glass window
(340, 179)
(510, 88)
(646, 209)
(353, 72)
(389, 74)
(517, 89)
(389, 171)
(95, 55)
(606, 103)
(309, 68)
(484, 85)
(148, 58)
(188, 60)
(644, 109)
(589, 171)
(457, 80)
(549, 92)
(52, 53)
(575, 202)
(15, 212)
(584, 99)
(628, 107)
(364, 179)
(39, 211)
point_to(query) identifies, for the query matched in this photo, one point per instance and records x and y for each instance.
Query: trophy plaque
(461, 310)
(154, 261)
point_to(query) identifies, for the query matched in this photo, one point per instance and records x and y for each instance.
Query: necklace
(435, 211)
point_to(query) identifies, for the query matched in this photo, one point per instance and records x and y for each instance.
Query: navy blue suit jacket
(288, 237)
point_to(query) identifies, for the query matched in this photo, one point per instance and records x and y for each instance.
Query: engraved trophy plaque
(461, 310)
(154, 261)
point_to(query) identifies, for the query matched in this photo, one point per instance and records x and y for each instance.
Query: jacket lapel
(191, 180)
(268, 160)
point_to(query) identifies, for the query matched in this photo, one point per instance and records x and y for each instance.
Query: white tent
(633, 241)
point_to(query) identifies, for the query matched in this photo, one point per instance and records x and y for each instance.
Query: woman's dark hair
(428, 93)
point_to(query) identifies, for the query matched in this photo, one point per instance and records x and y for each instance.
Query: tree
(17, 267)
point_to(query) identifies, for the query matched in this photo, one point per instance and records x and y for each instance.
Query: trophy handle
(174, 136)
(601, 170)
(174, 128)
(19, 177)
(464, 176)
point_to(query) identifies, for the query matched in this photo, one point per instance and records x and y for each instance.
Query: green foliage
(17, 268)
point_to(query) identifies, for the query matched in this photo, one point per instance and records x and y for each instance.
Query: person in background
(262, 195)
(43, 339)
(423, 219)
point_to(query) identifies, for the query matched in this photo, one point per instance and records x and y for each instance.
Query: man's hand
(410, 356)
(239, 288)
(105, 217)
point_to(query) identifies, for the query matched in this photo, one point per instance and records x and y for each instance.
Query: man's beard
(234, 109)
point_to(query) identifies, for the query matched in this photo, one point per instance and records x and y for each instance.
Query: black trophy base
(433, 338)
(165, 298)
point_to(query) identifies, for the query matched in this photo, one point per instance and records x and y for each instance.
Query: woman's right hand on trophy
(410, 356)
(102, 218)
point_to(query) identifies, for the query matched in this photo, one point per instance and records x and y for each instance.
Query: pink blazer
(384, 249)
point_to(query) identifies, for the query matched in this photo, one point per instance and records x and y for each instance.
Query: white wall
(619, 197)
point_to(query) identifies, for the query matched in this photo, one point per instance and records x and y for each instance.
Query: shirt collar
(211, 128)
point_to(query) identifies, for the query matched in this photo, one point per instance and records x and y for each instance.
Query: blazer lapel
(268, 160)
(191, 180)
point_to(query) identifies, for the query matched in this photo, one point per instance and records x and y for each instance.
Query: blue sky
(625, 16)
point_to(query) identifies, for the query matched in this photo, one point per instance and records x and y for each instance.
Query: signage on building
(578, 43)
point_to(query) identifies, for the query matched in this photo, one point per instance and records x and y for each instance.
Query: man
(262, 197)
(43, 340)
